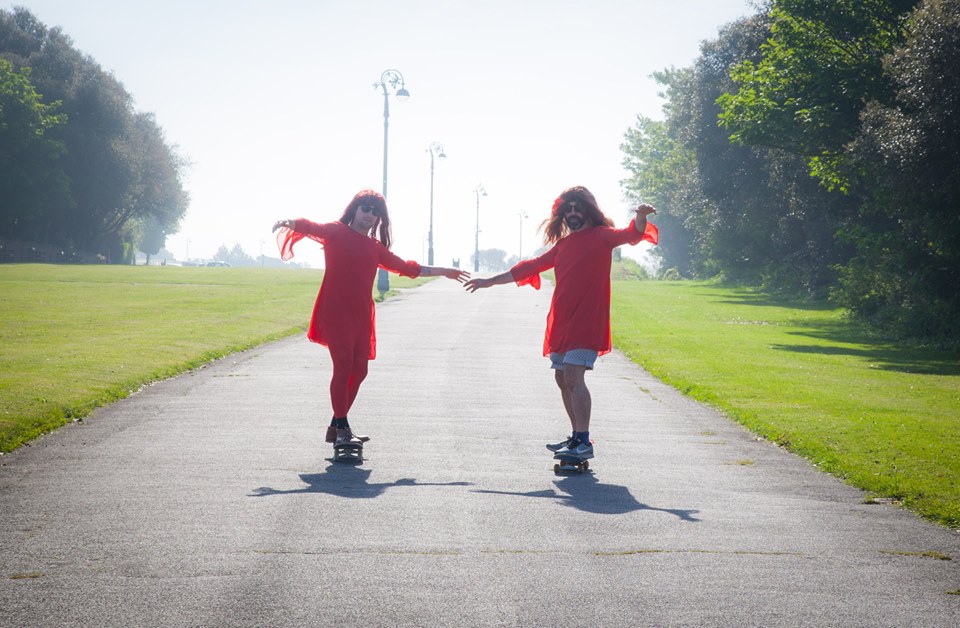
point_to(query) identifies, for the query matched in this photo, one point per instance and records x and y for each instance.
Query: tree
(118, 168)
(822, 62)
(748, 213)
(907, 267)
(30, 178)
(492, 260)
(658, 167)
(152, 236)
(235, 256)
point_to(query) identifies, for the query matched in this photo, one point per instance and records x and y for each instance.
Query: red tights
(349, 371)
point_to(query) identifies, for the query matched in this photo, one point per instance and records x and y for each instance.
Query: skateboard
(574, 464)
(348, 452)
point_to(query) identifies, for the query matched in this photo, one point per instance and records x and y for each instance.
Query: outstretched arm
(450, 273)
(475, 284)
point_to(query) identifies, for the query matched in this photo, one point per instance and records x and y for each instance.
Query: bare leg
(567, 397)
(580, 399)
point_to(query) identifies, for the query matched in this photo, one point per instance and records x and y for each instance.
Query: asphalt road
(211, 500)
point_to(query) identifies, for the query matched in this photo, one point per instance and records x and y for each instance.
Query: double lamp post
(393, 80)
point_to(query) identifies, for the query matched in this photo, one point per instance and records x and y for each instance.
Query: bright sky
(274, 105)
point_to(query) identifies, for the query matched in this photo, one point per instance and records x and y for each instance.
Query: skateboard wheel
(586, 465)
(556, 468)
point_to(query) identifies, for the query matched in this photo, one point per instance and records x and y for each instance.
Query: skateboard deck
(570, 464)
(348, 452)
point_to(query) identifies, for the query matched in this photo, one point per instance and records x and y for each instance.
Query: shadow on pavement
(586, 493)
(342, 480)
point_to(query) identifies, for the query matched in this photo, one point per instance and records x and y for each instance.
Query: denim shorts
(576, 357)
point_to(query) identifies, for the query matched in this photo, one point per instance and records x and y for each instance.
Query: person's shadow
(586, 493)
(343, 480)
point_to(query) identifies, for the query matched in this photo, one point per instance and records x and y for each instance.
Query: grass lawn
(883, 417)
(75, 337)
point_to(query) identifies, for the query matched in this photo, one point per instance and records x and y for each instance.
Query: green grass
(883, 417)
(76, 337)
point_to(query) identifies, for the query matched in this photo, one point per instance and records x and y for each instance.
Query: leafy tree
(747, 213)
(658, 166)
(119, 169)
(907, 267)
(30, 178)
(152, 236)
(492, 260)
(235, 256)
(822, 62)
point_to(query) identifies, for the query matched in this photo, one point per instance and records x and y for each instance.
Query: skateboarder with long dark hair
(343, 318)
(578, 324)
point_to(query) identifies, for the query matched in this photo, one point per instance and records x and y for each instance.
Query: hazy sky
(274, 106)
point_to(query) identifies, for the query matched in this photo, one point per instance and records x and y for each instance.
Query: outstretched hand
(645, 209)
(455, 274)
(285, 224)
(475, 284)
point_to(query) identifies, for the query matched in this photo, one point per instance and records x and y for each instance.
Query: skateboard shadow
(586, 493)
(348, 481)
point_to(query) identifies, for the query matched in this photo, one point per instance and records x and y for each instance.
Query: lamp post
(479, 191)
(523, 216)
(435, 149)
(390, 79)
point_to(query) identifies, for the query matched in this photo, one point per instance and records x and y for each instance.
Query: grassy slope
(881, 416)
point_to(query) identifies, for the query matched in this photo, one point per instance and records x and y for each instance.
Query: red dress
(579, 316)
(344, 311)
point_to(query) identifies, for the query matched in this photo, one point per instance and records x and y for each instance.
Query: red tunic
(344, 311)
(579, 316)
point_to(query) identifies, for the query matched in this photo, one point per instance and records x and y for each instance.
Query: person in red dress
(578, 324)
(343, 319)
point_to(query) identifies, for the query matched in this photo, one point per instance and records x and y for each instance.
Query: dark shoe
(555, 447)
(345, 437)
(584, 451)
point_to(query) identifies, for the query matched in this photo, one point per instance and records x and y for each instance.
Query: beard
(573, 221)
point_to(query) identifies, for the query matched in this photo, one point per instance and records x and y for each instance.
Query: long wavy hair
(380, 229)
(554, 228)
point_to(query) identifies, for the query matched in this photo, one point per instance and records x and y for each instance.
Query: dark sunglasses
(570, 208)
(370, 209)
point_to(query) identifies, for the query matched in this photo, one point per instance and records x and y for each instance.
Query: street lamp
(523, 216)
(435, 149)
(479, 191)
(391, 79)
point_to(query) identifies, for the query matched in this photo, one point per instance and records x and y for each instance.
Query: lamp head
(402, 93)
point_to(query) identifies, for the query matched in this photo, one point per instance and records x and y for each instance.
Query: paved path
(210, 500)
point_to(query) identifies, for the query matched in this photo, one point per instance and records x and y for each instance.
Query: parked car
(218, 263)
